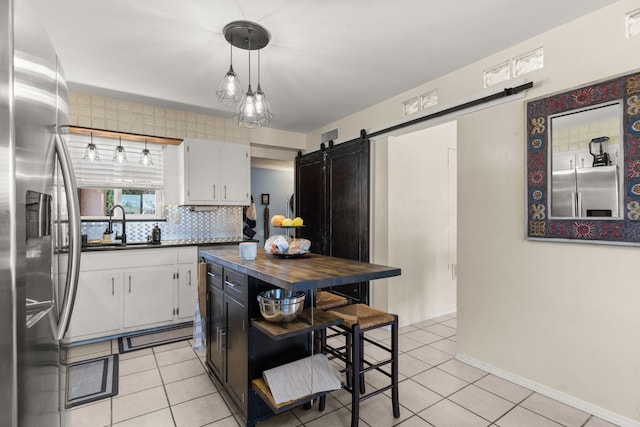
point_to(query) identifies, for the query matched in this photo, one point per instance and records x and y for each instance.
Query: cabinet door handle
(214, 191)
(225, 192)
(189, 277)
(230, 284)
(113, 285)
(129, 283)
(223, 335)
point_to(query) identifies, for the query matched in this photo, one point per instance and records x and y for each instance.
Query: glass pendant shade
(145, 156)
(246, 114)
(91, 153)
(263, 108)
(230, 89)
(119, 155)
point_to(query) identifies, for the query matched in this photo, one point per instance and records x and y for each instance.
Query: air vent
(331, 135)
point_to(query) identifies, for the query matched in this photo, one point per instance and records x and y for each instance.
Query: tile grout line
(164, 388)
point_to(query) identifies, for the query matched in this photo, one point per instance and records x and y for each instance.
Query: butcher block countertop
(310, 271)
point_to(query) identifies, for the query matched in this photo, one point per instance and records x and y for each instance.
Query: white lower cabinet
(187, 290)
(98, 304)
(149, 296)
(126, 290)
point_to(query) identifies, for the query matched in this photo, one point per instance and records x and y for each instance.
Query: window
(103, 184)
(99, 202)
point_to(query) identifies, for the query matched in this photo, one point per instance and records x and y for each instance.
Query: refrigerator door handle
(73, 267)
(578, 209)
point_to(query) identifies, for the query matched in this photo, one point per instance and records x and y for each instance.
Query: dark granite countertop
(164, 244)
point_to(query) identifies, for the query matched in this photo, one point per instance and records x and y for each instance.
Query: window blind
(108, 174)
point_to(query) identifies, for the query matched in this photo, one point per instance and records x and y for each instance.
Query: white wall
(419, 224)
(562, 317)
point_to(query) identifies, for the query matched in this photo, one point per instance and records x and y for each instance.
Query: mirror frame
(624, 230)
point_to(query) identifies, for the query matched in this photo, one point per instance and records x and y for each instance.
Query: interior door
(332, 195)
(311, 199)
(348, 202)
(452, 204)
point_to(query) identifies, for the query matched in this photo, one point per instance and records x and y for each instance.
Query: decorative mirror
(583, 163)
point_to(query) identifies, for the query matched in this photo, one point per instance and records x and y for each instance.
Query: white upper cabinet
(235, 170)
(214, 173)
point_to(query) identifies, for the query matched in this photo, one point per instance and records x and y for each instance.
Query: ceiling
(326, 59)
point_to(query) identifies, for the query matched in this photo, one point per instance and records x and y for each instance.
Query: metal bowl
(280, 305)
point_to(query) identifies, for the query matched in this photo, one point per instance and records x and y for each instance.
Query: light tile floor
(168, 386)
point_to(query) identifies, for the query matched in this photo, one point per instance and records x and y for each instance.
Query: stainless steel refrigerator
(585, 192)
(39, 220)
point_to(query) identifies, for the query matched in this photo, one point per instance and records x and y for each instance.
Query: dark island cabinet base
(237, 352)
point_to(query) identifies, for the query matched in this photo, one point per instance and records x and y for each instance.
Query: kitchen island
(241, 345)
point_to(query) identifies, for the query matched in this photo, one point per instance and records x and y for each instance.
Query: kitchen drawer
(129, 258)
(235, 285)
(188, 255)
(214, 275)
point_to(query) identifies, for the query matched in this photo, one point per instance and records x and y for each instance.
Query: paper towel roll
(248, 250)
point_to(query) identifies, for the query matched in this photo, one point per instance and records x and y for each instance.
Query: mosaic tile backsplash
(181, 224)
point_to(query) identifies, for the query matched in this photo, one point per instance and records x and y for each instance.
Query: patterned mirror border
(624, 230)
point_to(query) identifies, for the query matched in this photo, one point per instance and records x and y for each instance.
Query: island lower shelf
(261, 388)
(311, 319)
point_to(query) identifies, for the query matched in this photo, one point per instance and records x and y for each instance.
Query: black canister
(156, 234)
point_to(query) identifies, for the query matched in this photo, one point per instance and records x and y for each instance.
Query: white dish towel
(302, 378)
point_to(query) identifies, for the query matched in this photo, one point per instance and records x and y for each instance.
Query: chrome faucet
(122, 237)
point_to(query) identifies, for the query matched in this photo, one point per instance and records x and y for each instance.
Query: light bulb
(119, 155)
(91, 153)
(230, 90)
(250, 106)
(145, 158)
(231, 85)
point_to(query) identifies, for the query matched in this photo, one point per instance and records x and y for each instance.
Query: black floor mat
(91, 380)
(151, 339)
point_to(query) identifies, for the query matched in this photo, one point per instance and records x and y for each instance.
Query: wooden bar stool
(326, 300)
(358, 319)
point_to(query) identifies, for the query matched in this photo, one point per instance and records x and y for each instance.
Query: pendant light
(91, 152)
(145, 156)
(253, 110)
(263, 108)
(119, 155)
(230, 89)
(246, 114)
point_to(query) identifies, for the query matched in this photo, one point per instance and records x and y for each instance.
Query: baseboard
(429, 317)
(605, 414)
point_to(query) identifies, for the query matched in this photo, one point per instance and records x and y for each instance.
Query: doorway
(421, 212)
(272, 189)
